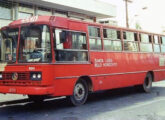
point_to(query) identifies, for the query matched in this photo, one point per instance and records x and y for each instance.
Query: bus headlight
(35, 75)
(0, 76)
(39, 76)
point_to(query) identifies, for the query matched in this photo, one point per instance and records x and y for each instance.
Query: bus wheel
(36, 98)
(80, 93)
(147, 85)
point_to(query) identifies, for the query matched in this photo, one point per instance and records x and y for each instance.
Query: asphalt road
(120, 104)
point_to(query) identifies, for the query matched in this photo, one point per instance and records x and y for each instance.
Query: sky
(151, 19)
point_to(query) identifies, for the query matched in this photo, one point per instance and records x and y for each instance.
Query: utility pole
(126, 10)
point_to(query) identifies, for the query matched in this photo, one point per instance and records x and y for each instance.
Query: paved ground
(121, 104)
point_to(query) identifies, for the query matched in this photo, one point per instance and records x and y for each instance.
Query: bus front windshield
(8, 45)
(35, 45)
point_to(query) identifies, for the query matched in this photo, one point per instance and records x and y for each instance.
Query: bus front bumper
(27, 90)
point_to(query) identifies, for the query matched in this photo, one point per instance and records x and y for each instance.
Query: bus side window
(145, 43)
(162, 38)
(0, 45)
(156, 44)
(94, 38)
(63, 36)
(130, 41)
(70, 46)
(136, 37)
(112, 41)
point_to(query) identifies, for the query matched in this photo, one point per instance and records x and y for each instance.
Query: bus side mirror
(63, 36)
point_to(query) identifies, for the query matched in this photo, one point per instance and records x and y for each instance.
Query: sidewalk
(9, 97)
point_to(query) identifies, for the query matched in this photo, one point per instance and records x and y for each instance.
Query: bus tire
(36, 98)
(147, 85)
(80, 93)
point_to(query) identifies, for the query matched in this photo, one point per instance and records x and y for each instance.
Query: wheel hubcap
(79, 91)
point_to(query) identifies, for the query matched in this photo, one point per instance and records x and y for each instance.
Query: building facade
(88, 10)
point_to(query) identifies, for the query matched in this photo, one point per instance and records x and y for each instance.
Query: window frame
(153, 42)
(78, 50)
(25, 9)
(96, 38)
(20, 12)
(140, 42)
(42, 9)
(17, 44)
(161, 44)
(50, 36)
(10, 10)
(136, 42)
(109, 39)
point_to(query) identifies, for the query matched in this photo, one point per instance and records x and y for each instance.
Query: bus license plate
(12, 90)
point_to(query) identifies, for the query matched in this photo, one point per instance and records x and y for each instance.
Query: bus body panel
(109, 74)
(106, 70)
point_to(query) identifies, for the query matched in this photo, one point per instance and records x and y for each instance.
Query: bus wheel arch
(152, 74)
(88, 80)
(81, 90)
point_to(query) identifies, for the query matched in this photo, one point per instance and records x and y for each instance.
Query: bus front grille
(19, 83)
(22, 80)
(21, 76)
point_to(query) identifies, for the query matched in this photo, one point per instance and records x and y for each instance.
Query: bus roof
(63, 23)
(34, 19)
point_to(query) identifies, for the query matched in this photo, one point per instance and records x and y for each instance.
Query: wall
(4, 22)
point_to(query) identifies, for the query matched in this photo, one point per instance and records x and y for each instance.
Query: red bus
(45, 56)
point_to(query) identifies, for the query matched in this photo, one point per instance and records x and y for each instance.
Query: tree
(138, 26)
